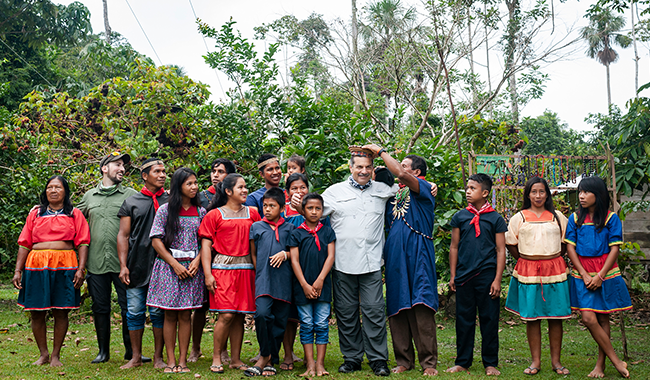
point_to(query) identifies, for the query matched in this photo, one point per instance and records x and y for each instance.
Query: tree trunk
(487, 57)
(636, 53)
(513, 28)
(609, 91)
(355, 50)
(107, 27)
(471, 52)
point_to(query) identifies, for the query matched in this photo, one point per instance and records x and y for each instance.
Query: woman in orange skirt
(227, 265)
(52, 274)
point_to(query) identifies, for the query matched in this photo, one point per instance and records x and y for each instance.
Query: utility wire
(208, 50)
(27, 63)
(145, 33)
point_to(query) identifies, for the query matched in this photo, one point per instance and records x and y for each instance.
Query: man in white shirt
(356, 208)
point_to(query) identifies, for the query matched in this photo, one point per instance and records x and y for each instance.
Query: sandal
(172, 370)
(530, 371)
(560, 371)
(216, 368)
(253, 371)
(268, 368)
(286, 366)
(183, 369)
(242, 367)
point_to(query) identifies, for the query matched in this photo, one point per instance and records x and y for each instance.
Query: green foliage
(547, 134)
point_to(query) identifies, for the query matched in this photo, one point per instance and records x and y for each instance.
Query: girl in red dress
(227, 265)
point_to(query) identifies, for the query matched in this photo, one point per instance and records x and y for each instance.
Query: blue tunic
(269, 281)
(410, 257)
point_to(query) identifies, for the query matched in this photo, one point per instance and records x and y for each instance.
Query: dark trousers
(271, 317)
(471, 295)
(99, 287)
(354, 293)
(417, 324)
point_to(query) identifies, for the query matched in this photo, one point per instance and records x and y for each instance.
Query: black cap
(384, 175)
(114, 157)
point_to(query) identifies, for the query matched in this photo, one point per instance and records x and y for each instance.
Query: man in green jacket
(100, 206)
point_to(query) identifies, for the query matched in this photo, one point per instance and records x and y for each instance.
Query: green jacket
(100, 209)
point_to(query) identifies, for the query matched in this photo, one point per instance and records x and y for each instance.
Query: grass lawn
(18, 351)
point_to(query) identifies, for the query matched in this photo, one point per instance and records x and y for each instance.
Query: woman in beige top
(539, 288)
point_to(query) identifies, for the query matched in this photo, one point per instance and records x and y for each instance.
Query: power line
(145, 33)
(208, 50)
(27, 63)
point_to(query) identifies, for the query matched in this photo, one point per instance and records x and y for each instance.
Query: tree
(547, 134)
(602, 34)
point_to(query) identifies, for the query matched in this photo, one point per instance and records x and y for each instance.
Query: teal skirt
(539, 289)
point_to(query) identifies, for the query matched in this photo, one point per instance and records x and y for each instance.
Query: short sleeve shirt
(141, 256)
(591, 242)
(476, 254)
(269, 281)
(312, 261)
(101, 210)
(536, 236)
(357, 218)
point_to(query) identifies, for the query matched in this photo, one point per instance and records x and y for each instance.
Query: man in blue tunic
(411, 283)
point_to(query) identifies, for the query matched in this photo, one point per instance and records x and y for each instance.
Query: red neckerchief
(401, 185)
(212, 190)
(305, 227)
(485, 209)
(291, 212)
(148, 193)
(275, 226)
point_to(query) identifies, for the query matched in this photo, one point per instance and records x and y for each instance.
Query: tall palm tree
(602, 33)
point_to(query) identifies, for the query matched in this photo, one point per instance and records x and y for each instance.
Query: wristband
(285, 255)
(382, 150)
(601, 279)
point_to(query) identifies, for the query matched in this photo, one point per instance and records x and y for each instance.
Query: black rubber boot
(126, 338)
(103, 330)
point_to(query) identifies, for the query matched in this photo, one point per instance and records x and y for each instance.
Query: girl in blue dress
(597, 289)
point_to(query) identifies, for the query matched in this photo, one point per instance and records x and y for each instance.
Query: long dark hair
(176, 202)
(67, 203)
(220, 197)
(598, 187)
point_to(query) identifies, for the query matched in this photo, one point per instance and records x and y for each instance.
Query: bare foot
(42, 360)
(622, 369)
(194, 356)
(597, 373)
(308, 373)
(253, 360)
(224, 357)
(456, 368)
(321, 371)
(134, 362)
(296, 358)
(430, 371)
(159, 363)
(399, 369)
(55, 362)
(491, 371)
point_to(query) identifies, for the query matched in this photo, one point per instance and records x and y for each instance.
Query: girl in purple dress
(177, 280)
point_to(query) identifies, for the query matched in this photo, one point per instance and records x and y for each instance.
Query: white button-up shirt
(357, 218)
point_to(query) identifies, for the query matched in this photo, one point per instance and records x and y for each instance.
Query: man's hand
(452, 284)
(374, 147)
(124, 276)
(434, 189)
(495, 289)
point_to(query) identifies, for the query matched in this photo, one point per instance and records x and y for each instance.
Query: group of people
(285, 255)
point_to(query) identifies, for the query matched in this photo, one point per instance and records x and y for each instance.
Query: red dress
(232, 266)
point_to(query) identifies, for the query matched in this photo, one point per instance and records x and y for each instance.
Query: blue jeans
(136, 307)
(314, 321)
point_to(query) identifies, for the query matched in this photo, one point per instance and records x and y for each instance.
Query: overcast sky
(576, 88)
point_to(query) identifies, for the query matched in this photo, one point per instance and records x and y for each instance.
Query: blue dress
(409, 253)
(269, 281)
(592, 247)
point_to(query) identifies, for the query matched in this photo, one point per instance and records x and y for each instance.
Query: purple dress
(166, 290)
